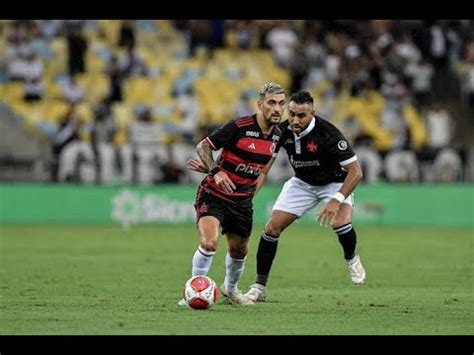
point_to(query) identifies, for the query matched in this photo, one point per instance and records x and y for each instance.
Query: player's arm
(204, 151)
(329, 212)
(196, 165)
(263, 175)
(354, 176)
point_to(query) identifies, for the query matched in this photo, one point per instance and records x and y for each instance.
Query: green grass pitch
(104, 280)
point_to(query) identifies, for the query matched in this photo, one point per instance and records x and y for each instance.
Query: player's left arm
(328, 214)
(354, 175)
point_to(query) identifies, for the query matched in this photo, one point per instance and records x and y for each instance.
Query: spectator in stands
(200, 32)
(131, 64)
(144, 131)
(439, 127)
(127, 34)
(298, 68)
(72, 91)
(466, 70)
(103, 132)
(16, 52)
(171, 172)
(68, 131)
(104, 127)
(246, 34)
(190, 107)
(393, 120)
(283, 41)
(77, 47)
(33, 76)
(448, 166)
(116, 77)
(421, 73)
(408, 50)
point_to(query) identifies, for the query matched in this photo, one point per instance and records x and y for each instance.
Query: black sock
(348, 239)
(266, 252)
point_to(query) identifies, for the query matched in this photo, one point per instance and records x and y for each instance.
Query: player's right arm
(204, 151)
(219, 138)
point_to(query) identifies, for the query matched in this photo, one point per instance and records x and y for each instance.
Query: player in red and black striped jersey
(246, 151)
(224, 198)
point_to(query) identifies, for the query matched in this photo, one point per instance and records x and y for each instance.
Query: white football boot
(356, 270)
(236, 297)
(257, 293)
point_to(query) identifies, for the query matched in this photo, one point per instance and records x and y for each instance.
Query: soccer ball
(200, 292)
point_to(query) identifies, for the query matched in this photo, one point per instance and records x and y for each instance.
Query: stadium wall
(381, 204)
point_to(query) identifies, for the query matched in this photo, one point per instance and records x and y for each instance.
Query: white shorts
(298, 197)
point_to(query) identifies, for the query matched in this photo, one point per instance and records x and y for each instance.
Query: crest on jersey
(272, 147)
(311, 147)
(203, 208)
(342, 145)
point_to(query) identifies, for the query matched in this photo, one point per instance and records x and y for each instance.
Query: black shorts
(236, 218)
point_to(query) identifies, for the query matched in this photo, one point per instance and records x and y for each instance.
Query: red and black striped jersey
(245, 152)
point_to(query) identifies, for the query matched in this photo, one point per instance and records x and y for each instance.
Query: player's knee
(238, 251)
(209, 245)
(273, 229)
(341, 222)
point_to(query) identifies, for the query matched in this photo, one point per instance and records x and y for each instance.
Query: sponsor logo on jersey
(249, 169)
(252, 134)
(289, 141)
(203, 208)
(303, 163)
(252, 146)
(342, 145)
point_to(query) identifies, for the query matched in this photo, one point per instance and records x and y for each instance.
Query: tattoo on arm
(204, 152)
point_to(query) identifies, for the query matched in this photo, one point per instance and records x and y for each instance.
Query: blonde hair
(270, 88)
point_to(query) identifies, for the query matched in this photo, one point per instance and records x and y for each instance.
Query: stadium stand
(401, 91)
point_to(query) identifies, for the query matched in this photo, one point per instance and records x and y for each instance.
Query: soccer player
(224, 197)
(326, 169)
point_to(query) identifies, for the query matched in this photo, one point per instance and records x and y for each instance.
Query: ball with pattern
(200, 292)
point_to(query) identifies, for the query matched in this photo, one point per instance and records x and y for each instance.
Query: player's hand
(224, 182)
(196, 165)
(327, 216)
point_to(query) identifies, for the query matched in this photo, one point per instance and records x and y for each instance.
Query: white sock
(202, 261)
(234, 270)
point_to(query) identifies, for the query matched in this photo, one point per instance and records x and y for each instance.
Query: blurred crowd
(395, 88)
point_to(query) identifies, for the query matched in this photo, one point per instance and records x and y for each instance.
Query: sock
(233, 271)
(267, 248)
(202, 261)
(348, 239)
